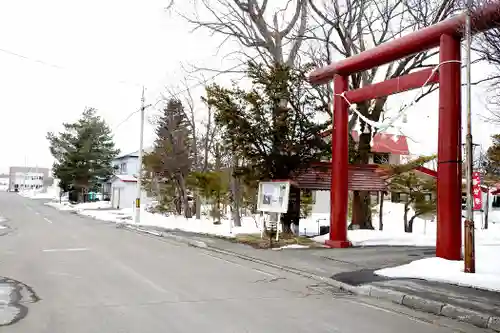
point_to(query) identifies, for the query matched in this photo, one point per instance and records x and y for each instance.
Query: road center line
(78, 249)
(46, 219)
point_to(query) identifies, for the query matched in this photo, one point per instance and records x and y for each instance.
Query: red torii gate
(447, 35)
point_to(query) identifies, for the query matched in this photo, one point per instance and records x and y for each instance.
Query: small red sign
(476, 191)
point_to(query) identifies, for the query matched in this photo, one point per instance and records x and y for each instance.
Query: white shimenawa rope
(380, 125)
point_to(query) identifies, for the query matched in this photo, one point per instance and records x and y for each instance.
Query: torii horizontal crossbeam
(421, 40)
(393, 86)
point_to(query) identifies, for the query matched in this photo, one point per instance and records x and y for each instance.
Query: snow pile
(294, 246)
(82, 207)
(66, 206)
(103, 211)
(311, 225)
(93, 205)
(173, 222)
(487, 274)
(424, 230)
(51, 193)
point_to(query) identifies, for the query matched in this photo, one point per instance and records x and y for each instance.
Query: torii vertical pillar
(340, 161)
(449, 184)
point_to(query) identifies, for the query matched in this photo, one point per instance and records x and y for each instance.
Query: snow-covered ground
(102, 211)
(424, 230)
(487, 274)
(81, 208)
(51, 193)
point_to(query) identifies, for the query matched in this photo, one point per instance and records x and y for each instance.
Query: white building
(386, 149)
(28, 178)
(124, 191)
(122, 188)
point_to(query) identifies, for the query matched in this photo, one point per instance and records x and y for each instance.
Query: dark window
(381, 158)
(496, 201)
(395, 197)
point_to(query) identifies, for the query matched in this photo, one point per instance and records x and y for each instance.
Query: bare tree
(276, 37)
(346, 28)
(203, 129)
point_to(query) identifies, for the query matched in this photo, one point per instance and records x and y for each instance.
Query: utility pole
(139, 172)
(469, 252)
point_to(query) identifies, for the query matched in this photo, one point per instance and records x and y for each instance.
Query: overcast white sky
(106, 50)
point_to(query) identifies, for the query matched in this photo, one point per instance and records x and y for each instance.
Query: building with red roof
(386, 149)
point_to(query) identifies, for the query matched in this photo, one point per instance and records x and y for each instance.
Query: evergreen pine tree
(491, 163)
(83, 153)
(272, 125)
(171, 158)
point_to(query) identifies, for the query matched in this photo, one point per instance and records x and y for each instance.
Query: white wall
(132, 165)
(321, 204)
(127, 196)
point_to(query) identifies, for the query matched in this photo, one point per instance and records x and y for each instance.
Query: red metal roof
(383, 143)
(360, 177)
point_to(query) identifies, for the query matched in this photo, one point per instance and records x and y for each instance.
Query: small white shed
(123, 191)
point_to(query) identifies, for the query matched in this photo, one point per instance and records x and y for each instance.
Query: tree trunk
(254, 205)
(183, 196)
(381, 212)
(293, 214)
(217, 209)
(197, 205)
(235, 202)
(356, 209)
(178, 205)
(410, 224)
(235, 194)
(487, 209)
(405, 217)
(361, 213)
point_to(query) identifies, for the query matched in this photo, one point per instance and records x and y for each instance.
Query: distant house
(122, 187)
(386, 149)
(127, 164)
(123, 191)
(29, 178)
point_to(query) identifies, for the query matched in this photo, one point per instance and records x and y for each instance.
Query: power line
(126, 119)
(21, 56)
(201, 83)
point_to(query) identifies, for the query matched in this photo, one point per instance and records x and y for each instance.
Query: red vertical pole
(448, 242)
(340, 160)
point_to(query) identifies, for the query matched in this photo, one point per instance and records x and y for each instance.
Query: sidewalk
(352, 269)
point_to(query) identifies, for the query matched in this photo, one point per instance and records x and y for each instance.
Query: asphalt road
(74, 274)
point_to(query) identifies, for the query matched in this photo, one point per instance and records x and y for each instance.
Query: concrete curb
(472, 317)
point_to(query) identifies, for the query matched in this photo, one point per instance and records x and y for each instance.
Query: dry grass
(256, 241)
